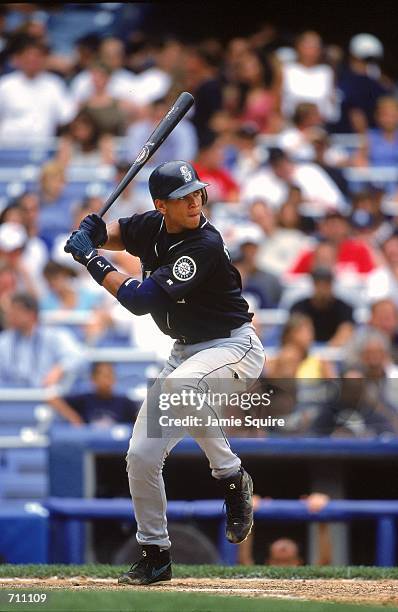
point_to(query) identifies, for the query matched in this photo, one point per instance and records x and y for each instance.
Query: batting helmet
(175, 179)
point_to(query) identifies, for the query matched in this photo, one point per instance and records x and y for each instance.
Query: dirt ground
(382, 592)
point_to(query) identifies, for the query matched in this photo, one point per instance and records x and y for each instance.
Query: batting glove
(95, 227)
(82, 249)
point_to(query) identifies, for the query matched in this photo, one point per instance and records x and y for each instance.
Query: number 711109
(27, 597)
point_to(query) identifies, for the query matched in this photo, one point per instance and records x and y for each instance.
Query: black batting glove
(80, 246)
(82, 249)
(95, 227)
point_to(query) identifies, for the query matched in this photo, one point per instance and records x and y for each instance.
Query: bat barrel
(166, 125)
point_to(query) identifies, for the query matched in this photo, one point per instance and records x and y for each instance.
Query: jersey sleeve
(187, 270)
(134, 233)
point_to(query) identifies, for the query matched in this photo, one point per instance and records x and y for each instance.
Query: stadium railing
(69, 513)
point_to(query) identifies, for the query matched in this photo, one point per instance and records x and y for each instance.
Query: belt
(185, 340)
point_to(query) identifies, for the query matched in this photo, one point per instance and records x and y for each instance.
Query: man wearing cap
(332, 318)
(359, 84)
(13, 240)
(194, 295)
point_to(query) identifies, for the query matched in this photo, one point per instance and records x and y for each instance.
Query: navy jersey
(193, 267)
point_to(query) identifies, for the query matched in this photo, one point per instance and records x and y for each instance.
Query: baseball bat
(165, 126)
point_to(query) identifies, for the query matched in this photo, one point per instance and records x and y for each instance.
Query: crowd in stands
(288, 131)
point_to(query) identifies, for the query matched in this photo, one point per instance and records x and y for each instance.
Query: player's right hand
(81, 247)
(95, 227)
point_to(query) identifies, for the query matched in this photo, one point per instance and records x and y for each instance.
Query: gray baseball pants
(240, 356)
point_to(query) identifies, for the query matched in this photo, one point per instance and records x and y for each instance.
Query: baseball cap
(12, 237)
(322, 273)
(249, 233)
(364, 45)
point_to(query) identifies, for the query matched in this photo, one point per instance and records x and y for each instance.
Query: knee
(175, 385)
(140, 461)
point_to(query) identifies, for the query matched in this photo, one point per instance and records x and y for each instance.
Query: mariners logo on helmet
(184, 268)
(186, 173)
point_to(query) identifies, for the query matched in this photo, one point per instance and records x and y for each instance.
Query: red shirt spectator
(209, 166)
(350, 252)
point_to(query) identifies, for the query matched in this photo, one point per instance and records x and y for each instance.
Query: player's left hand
(81, 247)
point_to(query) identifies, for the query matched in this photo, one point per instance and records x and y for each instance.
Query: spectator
(318, 191)
(13, 241)
(209, 166)
(295, 140)
(158, 80)
(286, 363)
(33, 102)
(330, 158)
(352, 253)
(357, 409)
(83, 145)
(106, 111)
(383, 318)
(62, 293)
(284, 552)
(383, 281)
(248, 153)
(35, 253)
(359, 87)
(101, 406)
(381, 143)
(299, 331)
(374, 355)
(307, 80)
(122, 82)
(86, 50)
(181, 144)
(203, 81)
(55, 205)
(260, 287)
(258, 99)
(332, 318)
(280, 245)
(33, 355)
(132, 200)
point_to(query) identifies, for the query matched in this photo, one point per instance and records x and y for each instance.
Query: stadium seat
(23, 486)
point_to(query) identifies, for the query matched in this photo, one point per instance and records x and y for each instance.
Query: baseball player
(194, 295)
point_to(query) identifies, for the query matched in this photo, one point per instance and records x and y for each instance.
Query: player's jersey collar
(182, 235)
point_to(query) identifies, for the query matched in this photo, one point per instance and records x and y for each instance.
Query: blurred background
(295, 127)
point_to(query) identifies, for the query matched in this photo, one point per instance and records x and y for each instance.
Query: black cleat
(154, 566)
(238, 492)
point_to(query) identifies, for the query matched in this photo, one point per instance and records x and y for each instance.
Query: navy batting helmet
(175, 179)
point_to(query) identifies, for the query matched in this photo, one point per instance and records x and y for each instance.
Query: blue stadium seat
(26, 460)
(23, 486)
(17, 413)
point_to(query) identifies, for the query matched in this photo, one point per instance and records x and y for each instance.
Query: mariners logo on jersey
(186, 173)
(184, 268)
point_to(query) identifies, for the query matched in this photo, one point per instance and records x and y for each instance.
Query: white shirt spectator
(122, 85)
(295, 143)
(181, 144)
(32, 108)
(308, 84)
(152, 84)
(319, 192)
(279, 251)
(381, 284)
